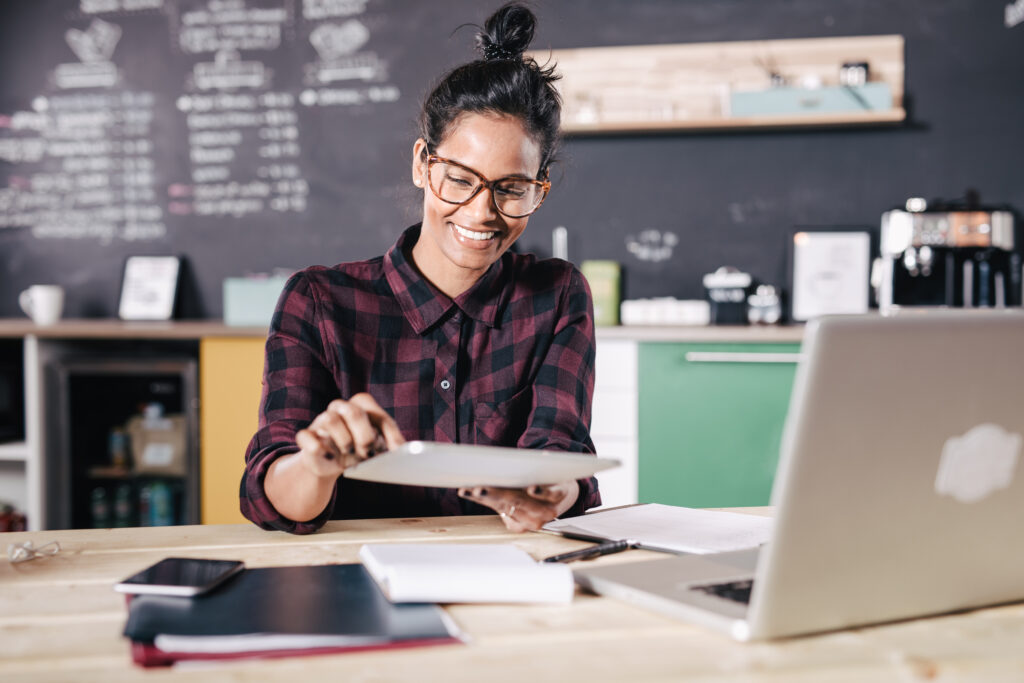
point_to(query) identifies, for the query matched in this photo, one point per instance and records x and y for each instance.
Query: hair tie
(493, 51)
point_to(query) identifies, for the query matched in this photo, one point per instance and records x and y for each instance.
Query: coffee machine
(955, 254)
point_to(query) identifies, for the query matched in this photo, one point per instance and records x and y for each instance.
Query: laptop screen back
(900, 490)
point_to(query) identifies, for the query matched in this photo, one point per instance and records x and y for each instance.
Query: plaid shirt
(509, 362)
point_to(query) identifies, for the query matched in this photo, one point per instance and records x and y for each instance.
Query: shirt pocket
(501, 422)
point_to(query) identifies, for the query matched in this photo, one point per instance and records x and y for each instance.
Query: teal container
(788, 101)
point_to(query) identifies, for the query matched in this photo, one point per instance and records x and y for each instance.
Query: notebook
(899, 490)
(465, 573)
(275, 611)
(668, 528)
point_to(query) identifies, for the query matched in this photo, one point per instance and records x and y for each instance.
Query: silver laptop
(899, 491)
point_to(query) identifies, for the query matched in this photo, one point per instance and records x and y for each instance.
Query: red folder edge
(149, 655)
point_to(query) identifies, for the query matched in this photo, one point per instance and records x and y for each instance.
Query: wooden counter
(201, 329)
(60, 620)
(103, 328)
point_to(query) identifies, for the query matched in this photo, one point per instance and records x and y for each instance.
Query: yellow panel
(230, 379)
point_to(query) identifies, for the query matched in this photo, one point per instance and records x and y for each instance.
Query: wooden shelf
(889, 117)
(109, 472)
(660, 88)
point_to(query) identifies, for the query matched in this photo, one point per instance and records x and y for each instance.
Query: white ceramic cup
(42, 303)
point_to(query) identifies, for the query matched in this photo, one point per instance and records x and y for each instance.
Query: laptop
(899, 491)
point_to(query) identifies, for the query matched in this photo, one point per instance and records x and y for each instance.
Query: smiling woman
(447, 337)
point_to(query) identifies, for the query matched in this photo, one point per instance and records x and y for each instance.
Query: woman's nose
(481, 207)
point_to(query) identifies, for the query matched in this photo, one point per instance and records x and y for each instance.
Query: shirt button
(446, 385)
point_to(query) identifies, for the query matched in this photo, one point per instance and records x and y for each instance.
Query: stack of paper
(669, 528)
(280, 611)
(442, 572)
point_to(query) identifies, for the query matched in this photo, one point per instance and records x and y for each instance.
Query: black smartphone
(185, 576)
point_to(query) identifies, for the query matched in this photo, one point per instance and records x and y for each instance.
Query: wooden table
(61, 620)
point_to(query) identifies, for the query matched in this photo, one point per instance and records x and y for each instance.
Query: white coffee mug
(42, 303)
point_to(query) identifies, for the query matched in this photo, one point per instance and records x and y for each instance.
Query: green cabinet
(710, 421)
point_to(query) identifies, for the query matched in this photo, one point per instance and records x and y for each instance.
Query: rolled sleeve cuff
(257, 508)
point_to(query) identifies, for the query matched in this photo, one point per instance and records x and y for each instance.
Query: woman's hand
(346, 433)
(526, 509)
(300, 485)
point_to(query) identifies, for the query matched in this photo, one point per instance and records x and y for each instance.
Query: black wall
(730, 198)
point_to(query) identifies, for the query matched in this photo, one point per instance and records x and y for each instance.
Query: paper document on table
(670, 528)
(464, 572)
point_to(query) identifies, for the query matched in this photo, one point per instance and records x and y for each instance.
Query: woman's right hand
(346, 433)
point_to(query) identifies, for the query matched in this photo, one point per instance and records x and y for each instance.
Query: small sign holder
(829, 272)
(149, 287)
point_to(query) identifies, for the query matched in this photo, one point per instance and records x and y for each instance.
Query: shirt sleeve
(563, 391)
(297, 386)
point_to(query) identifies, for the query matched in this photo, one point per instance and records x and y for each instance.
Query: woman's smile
(476, 236)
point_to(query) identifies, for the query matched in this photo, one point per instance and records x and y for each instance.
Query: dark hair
(503, 81)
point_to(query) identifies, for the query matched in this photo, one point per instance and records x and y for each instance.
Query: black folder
(280, 610)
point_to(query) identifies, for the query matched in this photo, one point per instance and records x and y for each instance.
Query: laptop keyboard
(737, 591)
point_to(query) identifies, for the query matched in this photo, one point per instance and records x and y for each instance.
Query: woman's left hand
(526, 509)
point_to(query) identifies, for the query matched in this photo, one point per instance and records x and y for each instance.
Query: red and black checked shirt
(509, 362)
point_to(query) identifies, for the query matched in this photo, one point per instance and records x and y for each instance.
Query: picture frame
(149, 287)
(829, 271)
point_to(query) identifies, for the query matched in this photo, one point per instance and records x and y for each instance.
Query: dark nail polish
(535, 490)
(329, 455)
(481, 492)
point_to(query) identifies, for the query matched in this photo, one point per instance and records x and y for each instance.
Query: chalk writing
(652, 245)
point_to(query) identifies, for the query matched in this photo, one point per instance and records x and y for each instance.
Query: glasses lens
(452, 183)
(514, 197)
(518, 197)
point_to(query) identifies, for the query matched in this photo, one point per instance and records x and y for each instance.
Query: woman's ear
(419, 150)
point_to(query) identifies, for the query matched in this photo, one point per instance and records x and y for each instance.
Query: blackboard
(253, 135)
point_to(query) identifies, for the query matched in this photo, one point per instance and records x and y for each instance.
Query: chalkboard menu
(252, 135)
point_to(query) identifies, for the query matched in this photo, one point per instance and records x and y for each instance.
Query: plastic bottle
(161, 504)
(118, 448)
(146, 505)
(99, 505)
(123, 506)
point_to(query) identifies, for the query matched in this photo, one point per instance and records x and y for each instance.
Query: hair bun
(507, 33)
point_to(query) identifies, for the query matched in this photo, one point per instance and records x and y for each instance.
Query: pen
(606, 548)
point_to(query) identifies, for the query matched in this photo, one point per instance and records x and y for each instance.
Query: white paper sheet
(670, 528)
(464, 573)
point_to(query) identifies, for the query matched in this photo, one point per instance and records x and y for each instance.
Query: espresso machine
(955, 254)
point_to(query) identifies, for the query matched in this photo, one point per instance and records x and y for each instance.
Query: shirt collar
(424, 305)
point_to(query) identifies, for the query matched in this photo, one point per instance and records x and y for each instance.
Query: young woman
(448, 336)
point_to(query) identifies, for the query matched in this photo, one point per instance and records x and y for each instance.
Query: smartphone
(184, 576)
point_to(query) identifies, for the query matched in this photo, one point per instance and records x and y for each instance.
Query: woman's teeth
(471, 235)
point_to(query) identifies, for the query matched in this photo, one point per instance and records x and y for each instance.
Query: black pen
(606, 548)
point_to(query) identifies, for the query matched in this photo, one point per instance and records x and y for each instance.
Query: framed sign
(149, 287)
(830, 272)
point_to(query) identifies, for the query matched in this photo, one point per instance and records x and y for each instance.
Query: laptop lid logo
(978, 463)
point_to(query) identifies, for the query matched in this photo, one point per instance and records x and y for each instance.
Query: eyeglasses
(513, 197)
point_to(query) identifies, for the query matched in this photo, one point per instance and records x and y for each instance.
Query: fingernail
(481, 492)
(328, 455)
(535, 490)
(463, 493)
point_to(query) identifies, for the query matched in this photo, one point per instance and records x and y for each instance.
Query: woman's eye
(511, 192)
(461, 182)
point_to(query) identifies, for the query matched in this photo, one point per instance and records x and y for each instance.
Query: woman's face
(458, 243)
